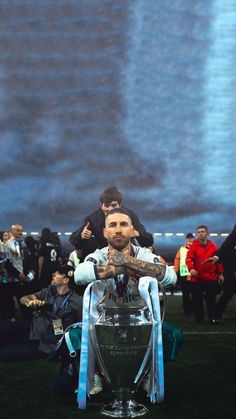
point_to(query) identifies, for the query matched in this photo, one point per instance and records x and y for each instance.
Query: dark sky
(137, 94)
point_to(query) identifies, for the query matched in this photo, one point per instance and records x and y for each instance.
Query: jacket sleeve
(86, 271)
(75, 238)
(177, 261)
(190, 257)
(11, 271)
(227, 245)
(219, 268)
(144, 239)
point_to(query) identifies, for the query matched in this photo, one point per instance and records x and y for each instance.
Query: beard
(119, 244)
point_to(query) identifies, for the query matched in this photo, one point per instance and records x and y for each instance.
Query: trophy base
(124, 409)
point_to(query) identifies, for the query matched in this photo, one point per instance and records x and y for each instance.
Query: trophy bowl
(121, 339)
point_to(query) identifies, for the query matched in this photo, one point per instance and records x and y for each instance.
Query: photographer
(57, 306)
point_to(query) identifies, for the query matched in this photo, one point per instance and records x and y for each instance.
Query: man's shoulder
(98, 255)
(75, 297)
(143, 253)
(41, 294)
(212, 244)
(11, 247)
(9, 242)
(98, 213)
(196, 243)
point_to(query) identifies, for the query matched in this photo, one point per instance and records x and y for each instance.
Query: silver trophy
(122, 342)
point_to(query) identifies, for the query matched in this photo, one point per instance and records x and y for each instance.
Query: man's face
(189, 241)
(118, 230)
(17, 231)
(58, 279)
(108, 207)
(202, 234)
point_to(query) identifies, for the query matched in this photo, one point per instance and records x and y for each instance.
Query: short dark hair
(118, 211)
(189, 236)
(110, 194)
(202, 226)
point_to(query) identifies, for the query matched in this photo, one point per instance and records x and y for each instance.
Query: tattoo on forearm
(105, 272)
(141, 268)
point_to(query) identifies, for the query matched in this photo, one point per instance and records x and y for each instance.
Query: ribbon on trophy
(148, 290)
(92, 295)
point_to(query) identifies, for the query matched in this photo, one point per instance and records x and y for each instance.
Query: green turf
(200, 384)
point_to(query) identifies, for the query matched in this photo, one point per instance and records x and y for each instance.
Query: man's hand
(86, 233)
(212, 259)
(221, 279)
(35, 303)
(22, 277)
(112, 252)
(193, 272)
(105, 272)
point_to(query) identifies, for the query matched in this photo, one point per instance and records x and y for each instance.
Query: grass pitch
(200, 384)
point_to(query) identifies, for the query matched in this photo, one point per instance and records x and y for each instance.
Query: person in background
(5, 236)
(183, 273)
(89, 236)
(56, 235)
(226, 254)
(75, 258)
(54, 309)
(31, 257)
(204, 277)
(49, 256)
(17, 278)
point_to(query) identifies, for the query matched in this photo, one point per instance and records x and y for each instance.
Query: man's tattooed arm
(139, 267)
(108, 271)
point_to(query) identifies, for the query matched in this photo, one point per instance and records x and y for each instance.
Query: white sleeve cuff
(85, 273)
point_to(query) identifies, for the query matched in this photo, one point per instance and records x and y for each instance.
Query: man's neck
(63, 290)
(203, 242)
(126, 249)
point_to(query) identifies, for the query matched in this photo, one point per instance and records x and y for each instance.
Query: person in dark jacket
(227, 255)
(49, 256)
(89, 236)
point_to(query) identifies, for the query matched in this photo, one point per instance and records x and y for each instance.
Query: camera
(44, 307)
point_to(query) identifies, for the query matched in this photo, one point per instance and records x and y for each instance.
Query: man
(227, 255)
(89, 236)
(15, 246)
(55, 308)
(59, 306)
(49, 256)
(137, 261)
(121, 264)
(184, 276)
(204, 277)
(17, 286)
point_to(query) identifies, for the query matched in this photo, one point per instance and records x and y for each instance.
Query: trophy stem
(124, 409)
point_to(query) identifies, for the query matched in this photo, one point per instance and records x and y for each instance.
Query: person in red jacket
(205, 277)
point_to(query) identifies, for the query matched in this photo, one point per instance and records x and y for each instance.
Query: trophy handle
(98, 354)
(143, 370)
